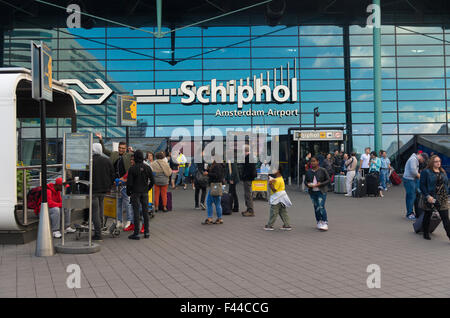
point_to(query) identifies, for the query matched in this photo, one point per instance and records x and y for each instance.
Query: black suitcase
(359, 187)
(225, 202)
(434, 222)
(372, 181)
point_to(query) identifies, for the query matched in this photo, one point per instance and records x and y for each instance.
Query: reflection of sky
(240, 52)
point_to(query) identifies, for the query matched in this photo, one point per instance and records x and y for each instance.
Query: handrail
(38, 167)
(25, 190)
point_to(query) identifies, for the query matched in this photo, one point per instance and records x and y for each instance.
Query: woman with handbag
(162, 172)
(434, 188)
(215, 173)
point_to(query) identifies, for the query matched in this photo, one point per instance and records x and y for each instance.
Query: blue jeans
(318, 198)
(180, 177)
(124, 204)
(209, 205)
(384, 175)
(410, 187)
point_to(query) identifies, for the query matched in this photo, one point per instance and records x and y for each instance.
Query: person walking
(384, 170)
(434, 187)
(248, 175)
(409, 182)
(374, 169)
(337, 162)
(201, 183)
(140, 181)
(216, 174)
(121, 161)
(350, 164)
(181, 161)
(279, 200)
(103, 176)
(317, 181)
(364, 162)
(162, 172)
(232, 177)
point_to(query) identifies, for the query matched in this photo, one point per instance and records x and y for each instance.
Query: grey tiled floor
(183, 258)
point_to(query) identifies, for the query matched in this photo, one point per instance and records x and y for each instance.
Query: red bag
(395, 179)
(34, 199)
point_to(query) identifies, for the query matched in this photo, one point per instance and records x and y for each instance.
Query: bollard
(44, 242)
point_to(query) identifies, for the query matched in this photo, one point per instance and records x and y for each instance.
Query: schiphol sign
(281, 88)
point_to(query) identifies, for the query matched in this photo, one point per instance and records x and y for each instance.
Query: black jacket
(216, 173)
(102, 174)
(140, 179)
(249, 170)
(322, 177)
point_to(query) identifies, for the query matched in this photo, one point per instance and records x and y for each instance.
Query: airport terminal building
(321, 52)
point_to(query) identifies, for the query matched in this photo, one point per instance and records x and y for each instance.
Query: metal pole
(348, 88)
(63, 188)
(25, 202)
(90, 188)
(43, 153)
(159, 17)
(377, 83)
(127, 136)
(298, 162)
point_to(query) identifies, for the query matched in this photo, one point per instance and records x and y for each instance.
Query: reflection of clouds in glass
(323, 61)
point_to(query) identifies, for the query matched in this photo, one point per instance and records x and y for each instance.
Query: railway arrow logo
(105, 91)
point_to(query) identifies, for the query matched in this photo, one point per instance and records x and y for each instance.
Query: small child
(279, 200)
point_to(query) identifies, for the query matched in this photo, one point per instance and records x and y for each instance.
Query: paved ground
(238, 259)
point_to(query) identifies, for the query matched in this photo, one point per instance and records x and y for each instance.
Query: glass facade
(414, 76)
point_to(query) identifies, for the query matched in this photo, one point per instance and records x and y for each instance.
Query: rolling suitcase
(395, 179)
(169, 202)
(340, 183)
(359, 187)
(434, 222)
(372, 182)
(225, 202)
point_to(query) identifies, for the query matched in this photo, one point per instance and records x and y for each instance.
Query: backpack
(201, 179)
(34, 198)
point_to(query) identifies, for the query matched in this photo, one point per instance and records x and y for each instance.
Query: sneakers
(248, 213)
(202, 205)
(323, 226)
(347, 195)
(57, 234)
(268, 228)
(411, 217)
(119, 225)
(197, 207)
(129, 228)
(127, 224)
(70, 230)
(286, 228)
(146, 236)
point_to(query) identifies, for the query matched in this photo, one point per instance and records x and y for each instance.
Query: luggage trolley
(260, 187)
(112, 210)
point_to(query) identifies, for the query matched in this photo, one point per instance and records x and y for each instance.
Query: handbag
(427, 206)
(216, 189)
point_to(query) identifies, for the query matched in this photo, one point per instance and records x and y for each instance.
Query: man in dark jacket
(317, 181)
(248, 175)
(232, 177)
(102, 181)
(140, 181)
